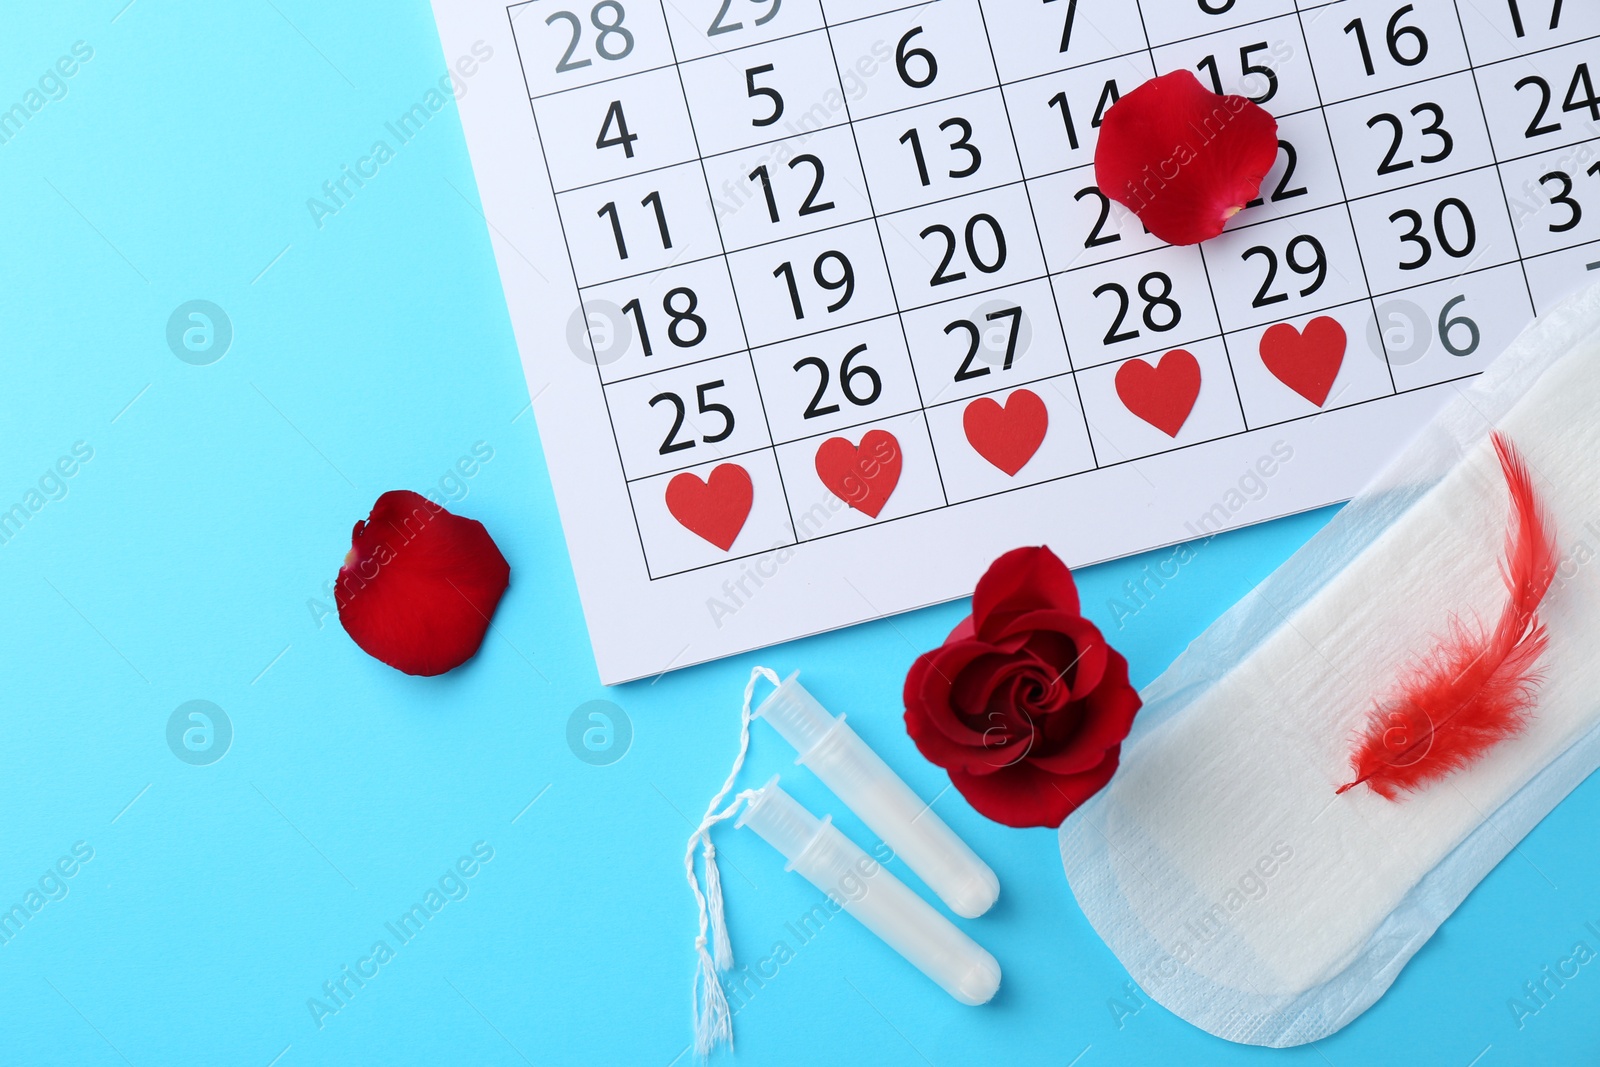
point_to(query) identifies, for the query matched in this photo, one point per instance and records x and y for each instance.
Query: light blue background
(187, 559)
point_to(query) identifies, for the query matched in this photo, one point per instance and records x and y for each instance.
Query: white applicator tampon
(881, 902)
(837, 755)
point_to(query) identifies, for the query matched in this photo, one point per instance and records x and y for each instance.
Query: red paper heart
(862, 476)
(715, 508)
(1162, 395)
(1306, 362)
(1007, 436)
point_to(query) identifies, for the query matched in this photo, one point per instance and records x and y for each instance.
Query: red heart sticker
(864, 475)
(1007, 436)
(715, 508)
(1308, 361)
(1162, 395)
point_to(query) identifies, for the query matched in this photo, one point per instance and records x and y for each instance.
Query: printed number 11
(1516, 17)
(652, 200)
(1072, 13)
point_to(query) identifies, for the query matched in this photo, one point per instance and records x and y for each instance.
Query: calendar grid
(894, 296)
(1094, 456)
(572, 266)
(1227, 352)
(1111, 465)
(819, 251)
(1344, 194)
(727, 267)
(1499, 175)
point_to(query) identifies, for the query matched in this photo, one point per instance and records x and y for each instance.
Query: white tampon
(881, 902)
(857, 776)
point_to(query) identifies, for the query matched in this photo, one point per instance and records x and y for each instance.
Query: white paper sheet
(852, 255)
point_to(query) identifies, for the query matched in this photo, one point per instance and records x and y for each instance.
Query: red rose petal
(1022, 580)
(1182, 158)
(1081, 670)
(1024, 796)
(419, 584)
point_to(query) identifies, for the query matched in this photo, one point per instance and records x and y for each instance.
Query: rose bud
(1025, 705)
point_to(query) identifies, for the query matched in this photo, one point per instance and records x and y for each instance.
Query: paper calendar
(821, 309)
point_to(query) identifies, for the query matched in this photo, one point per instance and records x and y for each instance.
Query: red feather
(1475, 688)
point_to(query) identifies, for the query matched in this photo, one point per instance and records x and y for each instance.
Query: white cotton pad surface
(1219, 865)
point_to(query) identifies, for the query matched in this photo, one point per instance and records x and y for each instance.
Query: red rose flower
(1024, 704)
(419, 584)
(1182, 158)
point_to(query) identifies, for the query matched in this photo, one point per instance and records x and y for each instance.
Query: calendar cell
(1410, 135)
(1557, 275)
(1170, 399)
(798, 185)
(1298, 368)
(1500, 29)
(787, 88)
(839, 12)
(1131, 306)
(1436, 230)
(1450, 329)
(655, 321)
(988, 341)
(1080, 225)
(614, 129)
(703, 27)
(1543, 101)
(871, 475)
(1367, 46)
(937, 151)
(638, 225)
(1284, 268)
(839, 378)
(563, 46)
(1003, 440)
(688, 415)
(1264, 61)
(670, 547)
(913, 56)
(961, 246)
(1036, 38)
(1555, 198)
(1185, 19)
(812, 283)
(1057, 117)
(1303, 177)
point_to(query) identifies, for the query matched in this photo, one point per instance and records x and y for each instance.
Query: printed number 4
(608, 29)
(621, 138)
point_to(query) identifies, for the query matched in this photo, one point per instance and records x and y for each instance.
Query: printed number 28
(606, 17)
